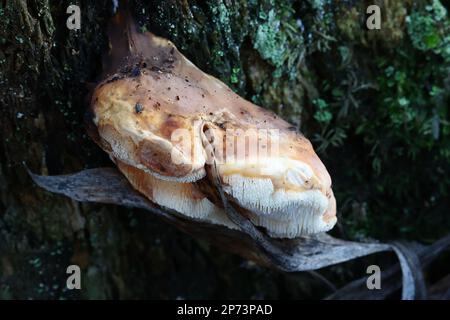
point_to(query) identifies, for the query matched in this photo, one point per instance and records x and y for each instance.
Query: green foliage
(430, 29)
(393, 111)
(374, 103)
(322, 114)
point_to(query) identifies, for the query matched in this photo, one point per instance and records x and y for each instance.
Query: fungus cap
(164, 122)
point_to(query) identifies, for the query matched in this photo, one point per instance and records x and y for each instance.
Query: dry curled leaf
(107, 185)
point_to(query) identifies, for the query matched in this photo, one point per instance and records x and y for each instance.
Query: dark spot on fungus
(138, 108)
(136, 71)
(157, 105)
(177, 98)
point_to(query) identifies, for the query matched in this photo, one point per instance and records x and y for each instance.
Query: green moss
(270, 42)
(394, 107)
(235, 75)
(351, 23)
(230, 38)
(278, 38)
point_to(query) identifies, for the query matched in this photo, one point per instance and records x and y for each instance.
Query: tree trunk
(312, 62)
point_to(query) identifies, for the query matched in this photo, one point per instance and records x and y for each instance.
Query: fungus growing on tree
(171, 128)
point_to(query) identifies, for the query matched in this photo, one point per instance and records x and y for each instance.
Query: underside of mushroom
(170, 128)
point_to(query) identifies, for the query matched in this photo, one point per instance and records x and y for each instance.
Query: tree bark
(275, 53)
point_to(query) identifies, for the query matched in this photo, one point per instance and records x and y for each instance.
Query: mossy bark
(313, 62)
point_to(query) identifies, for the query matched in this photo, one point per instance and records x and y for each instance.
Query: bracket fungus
(171, 129)
(217, 166)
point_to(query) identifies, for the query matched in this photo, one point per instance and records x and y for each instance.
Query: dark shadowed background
(374, 103)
